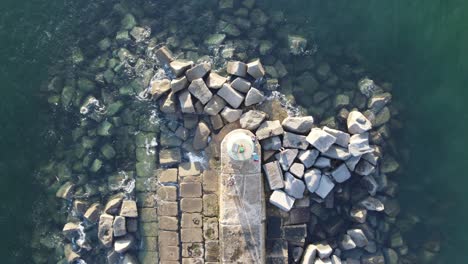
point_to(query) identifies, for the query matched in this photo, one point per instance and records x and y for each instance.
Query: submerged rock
(297, 44)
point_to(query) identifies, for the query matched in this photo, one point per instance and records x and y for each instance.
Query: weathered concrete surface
(242, 207)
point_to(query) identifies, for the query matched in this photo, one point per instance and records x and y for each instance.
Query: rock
(325, 187)
(129, 209)
(376, 258)
(281, 200)
(232, 97)
(357, 123)
(389, 164)
(113, 205)
(65, 191)
(216, 122)
(286, 158)
(252, 119)
(364, 168)
(391, 257)
(335, 260)
(341, 174)
(169, 104)
(308, 157)
(254, 96)
(68, 94)
(215, 105)
(338, 153)
(312, 179)
(341, 100)
(231, 115)
(139, 33)
(358, 214)
(342, 138)
(241, 85)
(123, 244)
(198, 71)
(186, 105)
(130, 259)
(269, 129)
(295, 234)
(96, 166)
(352, 162)
(320, 139)
(367, 87)
(299, 125)
(128, 22)
(71, 230)
(215, 39)
(255, 69)
(92, 214)
(273, 143)
(70, 255)
(79, 207)
(322, 163)
(215, 81)
(179, 84)
(122, 37)
(105, 230)
(169, 157)
(371, 157)
(297, 169)
(297, 254)
(200, 140)
(293, 187)
(105, 129)
(160, 87)
(324, 250)
(372, 204)
(379, 101)
(309, 254)
(164, 55)
(119, 226)
(297, 44)
(323, 71)
(178, 67)
(359, 144)
(370, 183)
(231, 30)
(274, 175)
(347, 243)
(108, 151)
(291, 140)
(236, 68)
(199, 89)
(358, 237)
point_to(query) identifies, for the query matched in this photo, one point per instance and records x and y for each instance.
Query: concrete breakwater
(140, 182)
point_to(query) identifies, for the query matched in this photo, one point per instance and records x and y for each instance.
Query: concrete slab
(242, 206)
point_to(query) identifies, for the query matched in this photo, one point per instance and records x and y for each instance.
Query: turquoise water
(419, 46)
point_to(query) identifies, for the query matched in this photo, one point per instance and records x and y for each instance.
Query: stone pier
(241, 200)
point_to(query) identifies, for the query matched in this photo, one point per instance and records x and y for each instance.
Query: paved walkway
(242, 207)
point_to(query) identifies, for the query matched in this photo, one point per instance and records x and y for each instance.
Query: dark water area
(420, 46)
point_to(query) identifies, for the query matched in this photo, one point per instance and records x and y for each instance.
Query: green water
(418, 45)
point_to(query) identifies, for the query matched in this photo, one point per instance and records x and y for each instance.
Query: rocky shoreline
(151, 102)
